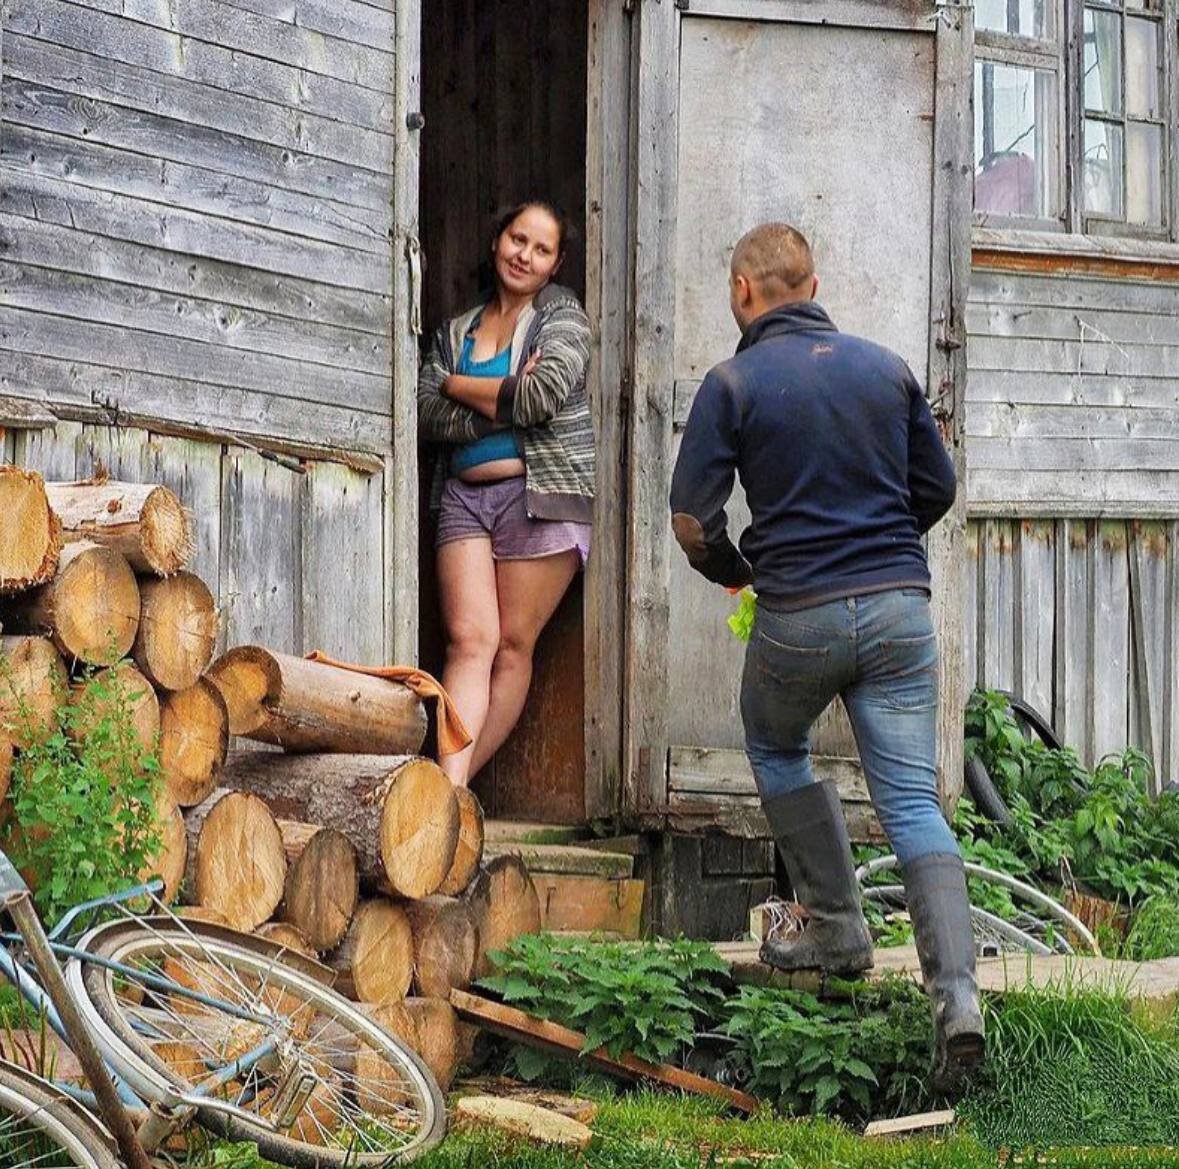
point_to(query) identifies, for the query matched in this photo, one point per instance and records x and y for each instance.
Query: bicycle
(178, 1021)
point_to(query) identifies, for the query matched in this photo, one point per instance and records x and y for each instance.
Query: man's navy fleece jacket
(839, 456)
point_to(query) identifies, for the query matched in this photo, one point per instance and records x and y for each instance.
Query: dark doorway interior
(504, 95)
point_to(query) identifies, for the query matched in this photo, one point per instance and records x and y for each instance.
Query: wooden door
(849, 119)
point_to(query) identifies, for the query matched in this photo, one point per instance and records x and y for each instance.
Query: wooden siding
(1079, 617)
(195, 215)
(294, 560)
(1072, 396)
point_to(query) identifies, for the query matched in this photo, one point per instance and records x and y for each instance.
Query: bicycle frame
(47, 950)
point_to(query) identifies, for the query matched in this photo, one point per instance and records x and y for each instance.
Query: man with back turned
(844, 471)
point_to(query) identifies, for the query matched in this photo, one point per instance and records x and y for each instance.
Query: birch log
(90, 609)
(30, 532)
(309, 706)
(400, 813)
(143, 522)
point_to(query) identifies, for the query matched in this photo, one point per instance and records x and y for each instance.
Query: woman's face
(527, 252)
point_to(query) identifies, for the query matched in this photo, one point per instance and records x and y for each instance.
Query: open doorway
(504, 96)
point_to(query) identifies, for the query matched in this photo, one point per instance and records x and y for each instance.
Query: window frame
(1064, 55)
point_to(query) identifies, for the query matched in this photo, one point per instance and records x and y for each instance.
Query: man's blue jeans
(879, 653)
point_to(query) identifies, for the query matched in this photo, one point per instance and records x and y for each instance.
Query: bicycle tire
(32, 1109)
(986, 796)
(397, 1095)
(1045, 731)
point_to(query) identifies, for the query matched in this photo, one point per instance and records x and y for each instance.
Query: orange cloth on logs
(453, 736)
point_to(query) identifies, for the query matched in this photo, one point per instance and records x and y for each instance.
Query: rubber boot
(935, 888)
(811, 835)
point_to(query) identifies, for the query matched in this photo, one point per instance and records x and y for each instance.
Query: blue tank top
(502, 444)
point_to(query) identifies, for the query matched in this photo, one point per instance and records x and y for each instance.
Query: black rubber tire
(986, 795)
(1034, 720)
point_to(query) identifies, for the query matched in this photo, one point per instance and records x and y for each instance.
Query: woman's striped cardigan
(549, 407)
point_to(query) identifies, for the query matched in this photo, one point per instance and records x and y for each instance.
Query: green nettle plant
(647, 998)
(864, 1057)
(84, 797)
(1100, 829)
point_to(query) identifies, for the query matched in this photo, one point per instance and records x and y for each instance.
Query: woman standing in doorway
(503, 389)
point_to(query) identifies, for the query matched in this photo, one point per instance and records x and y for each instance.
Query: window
(1100, 64)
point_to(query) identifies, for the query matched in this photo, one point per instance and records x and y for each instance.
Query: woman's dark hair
(565, 229)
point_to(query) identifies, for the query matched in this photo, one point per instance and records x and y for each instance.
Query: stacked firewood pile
(346, 845)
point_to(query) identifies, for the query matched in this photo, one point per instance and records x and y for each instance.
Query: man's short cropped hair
(774, 254)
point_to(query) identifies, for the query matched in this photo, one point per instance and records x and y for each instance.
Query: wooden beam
(589, 904)
(558, 1040)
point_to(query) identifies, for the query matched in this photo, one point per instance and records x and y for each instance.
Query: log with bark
(504, 904)
(290, 937)
(30, 532)
(375, 959)
(445, 944)
(322, 885)
(177, 630)
(400, 813)
(171, 862)
(90, 609)
(309, 706)
(118, 693)
(194, 737)
(33, 684)
(236, 862)
(428, 1027)
(468, 852)
(5, 765)
(144, 522)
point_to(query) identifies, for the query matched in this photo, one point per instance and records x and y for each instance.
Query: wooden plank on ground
(567, 859)
(920, 1122)
(558, 1040)
(590, 903)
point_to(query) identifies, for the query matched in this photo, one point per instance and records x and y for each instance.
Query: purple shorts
(498, 512)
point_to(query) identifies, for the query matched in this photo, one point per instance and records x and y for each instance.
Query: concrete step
(566, 859)
(526, 832)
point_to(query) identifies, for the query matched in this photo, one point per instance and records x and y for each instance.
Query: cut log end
(30, 532)
(419, 829)
(240, 864)
(166, 533)
(33, 684)
(290, 937)
(505, 905)
(248, 678)
(445, 945)
(177, 630)
(170, 862)
(194, 738)
(375, 959)
(116, 693)
(94, 604)
(322, 888)
(468, 852)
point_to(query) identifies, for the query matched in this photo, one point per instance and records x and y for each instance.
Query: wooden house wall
(1073, 482)
(196, 203)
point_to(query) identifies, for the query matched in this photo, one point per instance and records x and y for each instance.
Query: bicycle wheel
(336, 1090)
(43, 1128)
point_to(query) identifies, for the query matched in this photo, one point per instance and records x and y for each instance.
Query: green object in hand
(741, 618)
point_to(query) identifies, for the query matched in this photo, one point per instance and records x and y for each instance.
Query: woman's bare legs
(470, 618)
(529, 593)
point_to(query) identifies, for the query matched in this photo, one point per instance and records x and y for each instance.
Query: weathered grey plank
(1170, 630)
(1111, 638)
(876, 14)
(134, 43)
(1035, 565)
(724, 771)
(971, 604)
(1067, 389)
(1021, 421)
(1074, 635)
(43, 197)
(274, 40)
(1073, 454)
(1091, 355)
(1150, 644)
(76, 383)
(31, 103)
(260, 552)
(401, 522)
(1089, 491)
(192, 469)
(354, 231)
(53, 451)
(146, 310)
(342, 563)
(69, 249)
(131, 349)
(1033, 322)
(103, 78)
(1077, 294)
(998, 605)
(348, 20)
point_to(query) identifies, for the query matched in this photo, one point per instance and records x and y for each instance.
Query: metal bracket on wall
(413, 255)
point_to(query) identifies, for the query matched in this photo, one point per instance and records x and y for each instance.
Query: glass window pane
(1143, 76)
(1144, 174)
(1025, 18)
(1015, 140)
(1103, 61)
(1102, 175)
